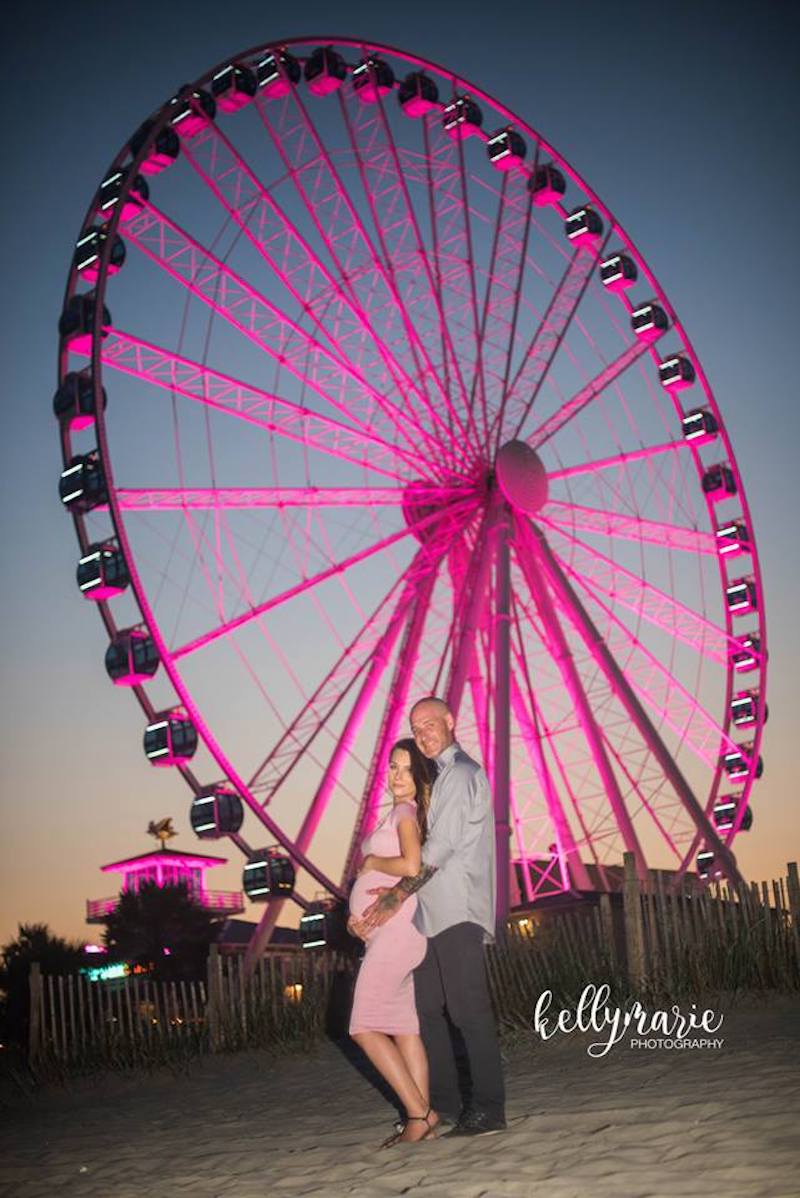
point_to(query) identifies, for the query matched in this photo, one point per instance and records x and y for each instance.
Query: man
(456, 911)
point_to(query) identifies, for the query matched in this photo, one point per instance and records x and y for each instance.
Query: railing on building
(230, 901)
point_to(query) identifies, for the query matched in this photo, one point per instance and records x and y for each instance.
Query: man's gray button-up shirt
(461, 844)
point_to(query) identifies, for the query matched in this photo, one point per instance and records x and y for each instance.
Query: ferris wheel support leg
(620, 686)
(460, 580)
(464, 649)
(542, 731)
(380, 660)
(576, 870)
(569, 672)
(502, 713)
(480, 704)
(459, 562)
(401, 683)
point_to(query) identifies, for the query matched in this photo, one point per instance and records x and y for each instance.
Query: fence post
(35, 1011)
(793, 888)
(213, 998)
(634, 931)
(607, 921)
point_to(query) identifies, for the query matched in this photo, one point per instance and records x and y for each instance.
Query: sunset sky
(682, 118)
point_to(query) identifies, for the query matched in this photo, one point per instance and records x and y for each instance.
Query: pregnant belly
(360, 899)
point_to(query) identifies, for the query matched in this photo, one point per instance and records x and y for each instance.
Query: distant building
(167, 867)
(234, 936)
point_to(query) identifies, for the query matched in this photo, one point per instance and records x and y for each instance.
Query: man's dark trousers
(453, 976)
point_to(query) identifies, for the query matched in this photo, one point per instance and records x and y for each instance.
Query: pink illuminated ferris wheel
(365, 395)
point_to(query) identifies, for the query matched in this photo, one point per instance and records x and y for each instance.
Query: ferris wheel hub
(521, 476)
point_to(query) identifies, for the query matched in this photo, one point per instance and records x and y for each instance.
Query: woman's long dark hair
(424, 773)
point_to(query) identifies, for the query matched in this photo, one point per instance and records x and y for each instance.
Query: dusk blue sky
(682, 117)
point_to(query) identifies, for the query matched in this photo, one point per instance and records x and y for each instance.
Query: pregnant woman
(384, 1018)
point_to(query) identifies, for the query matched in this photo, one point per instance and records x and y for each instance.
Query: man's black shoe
(477, 1123)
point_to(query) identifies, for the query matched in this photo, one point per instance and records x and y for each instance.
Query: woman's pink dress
(383, 1000)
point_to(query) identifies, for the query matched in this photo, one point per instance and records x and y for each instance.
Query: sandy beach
(636, 1123)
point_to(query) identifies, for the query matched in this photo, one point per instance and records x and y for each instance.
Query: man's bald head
(435, 704)
(432, 725)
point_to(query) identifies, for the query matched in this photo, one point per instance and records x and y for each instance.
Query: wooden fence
(289, 1001)
(649, 943)
(644, 942)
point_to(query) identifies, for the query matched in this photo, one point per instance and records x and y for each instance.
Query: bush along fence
(644, 942)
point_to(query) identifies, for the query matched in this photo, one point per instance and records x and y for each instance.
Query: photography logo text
(672, 1029)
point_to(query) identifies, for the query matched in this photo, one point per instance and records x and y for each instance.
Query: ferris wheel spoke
(561, 654)
(362, 270)
(607, 577)
(442, 349)
(682, 712)
(621, 688)
(525, 713)
(370, 643)
(201, 543)
(454, 265)
(274, 643)
(578, 518)
(222, 393)
(654, 807)
(550, 733)
(256, 212)
(301, 732)
(197, 269)
(386, 193)
(496, 279)
(668, 482)
(505, 285)
(413, 597)
(306, 584)
(569, 410)
(545, 343)
(473, 613)
(649, 804)
(171, 499)
(617, 461)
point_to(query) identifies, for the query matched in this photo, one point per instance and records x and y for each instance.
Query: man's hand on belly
(391, 898)
(388, 902)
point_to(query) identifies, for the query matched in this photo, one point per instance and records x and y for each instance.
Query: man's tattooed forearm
(410, 885)
(391, 900)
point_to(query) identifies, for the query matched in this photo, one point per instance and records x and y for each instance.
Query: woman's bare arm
(407, 865)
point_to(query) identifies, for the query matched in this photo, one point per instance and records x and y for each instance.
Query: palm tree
(158, 918)
(34, 942)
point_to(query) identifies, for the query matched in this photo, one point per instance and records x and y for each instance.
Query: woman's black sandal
(398, 1135)
(395, 1136)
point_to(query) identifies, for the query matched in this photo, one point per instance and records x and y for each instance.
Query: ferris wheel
(365, 395)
